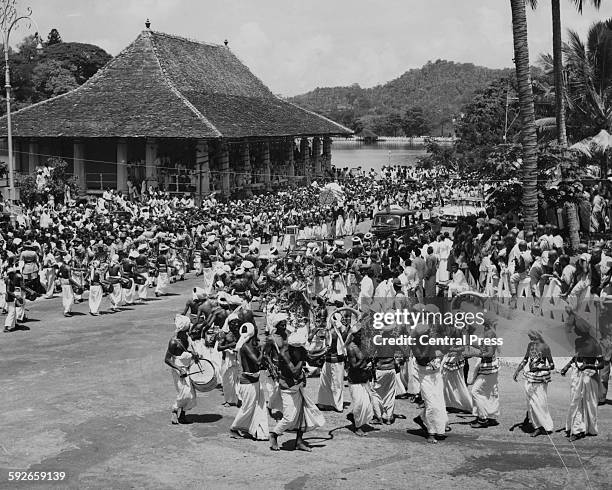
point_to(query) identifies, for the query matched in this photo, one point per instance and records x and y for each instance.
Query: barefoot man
(300, 414)
(252, 417)
(179, 357)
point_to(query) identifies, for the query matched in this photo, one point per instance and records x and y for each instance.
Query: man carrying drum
(180, 357)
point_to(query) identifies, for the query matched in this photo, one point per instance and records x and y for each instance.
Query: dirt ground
(91, 396)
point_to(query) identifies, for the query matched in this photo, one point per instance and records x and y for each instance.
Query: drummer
(180, 357)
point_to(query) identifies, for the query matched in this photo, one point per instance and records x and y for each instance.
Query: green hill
(439, 88)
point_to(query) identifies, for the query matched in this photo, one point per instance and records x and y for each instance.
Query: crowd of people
(315, 271)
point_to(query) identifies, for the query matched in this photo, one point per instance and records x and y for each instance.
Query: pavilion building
(180, 115)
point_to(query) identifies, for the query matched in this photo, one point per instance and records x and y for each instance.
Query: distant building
(180, 115)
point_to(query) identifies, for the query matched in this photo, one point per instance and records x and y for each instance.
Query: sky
(294, 46)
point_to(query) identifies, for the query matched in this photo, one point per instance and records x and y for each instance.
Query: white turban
(181, 323)
(198, 293)
(246, 333)
(299, 338)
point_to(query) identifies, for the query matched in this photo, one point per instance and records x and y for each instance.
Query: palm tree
(558, 65)
(528, 127)
(589, 71)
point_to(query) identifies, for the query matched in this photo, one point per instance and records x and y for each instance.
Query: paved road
(91, 397)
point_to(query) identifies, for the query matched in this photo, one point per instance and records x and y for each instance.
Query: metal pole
(7, 86)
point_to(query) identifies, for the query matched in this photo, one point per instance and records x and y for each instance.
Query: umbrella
(331, 194)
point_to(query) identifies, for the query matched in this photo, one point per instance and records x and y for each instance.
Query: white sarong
(582, 412)
(485, 394)
(361, 404)
(208, 280)
(385, 388)
(162, 283)
(95, 298)
(537, 405)
(456, 393)
(299, 412)
(67, 297)
(252, 415)
(128, 294)
(143, 288)
(185, 392)
(434, 414)
(115, 296)
(230, 377)
(331, 387)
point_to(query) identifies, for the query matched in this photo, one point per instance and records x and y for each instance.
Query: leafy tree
(51, 78)
(484, 123)
(54, 37)
(86, 58)
(414, 122)
(60, 178)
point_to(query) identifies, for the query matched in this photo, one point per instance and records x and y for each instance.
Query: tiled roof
(167, 86)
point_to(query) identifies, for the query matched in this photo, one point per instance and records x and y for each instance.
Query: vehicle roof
(400, 212)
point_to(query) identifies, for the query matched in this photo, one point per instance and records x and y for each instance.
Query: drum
(203, 375)
(140, 280)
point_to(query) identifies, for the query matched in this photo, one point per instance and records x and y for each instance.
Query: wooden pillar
(79, 164)
(327, 143)
(203, 169)
(224, 169)
(122, 173)
(151, 162)
(316, 155)
(290, 163)
(246, 170)
(305, 152)
(32, 156)
(265, 159)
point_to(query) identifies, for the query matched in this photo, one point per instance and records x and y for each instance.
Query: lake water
(374, 156)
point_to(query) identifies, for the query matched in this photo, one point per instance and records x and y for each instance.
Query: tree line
(60, 67)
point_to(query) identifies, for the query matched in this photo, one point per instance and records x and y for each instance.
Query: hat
(339, 243)
(163, 247)
(67, 258)
(239, 271)
(142, 246)
(247, 264)
(368, 236)
(133, 254)
(356, 240)
(227, 255)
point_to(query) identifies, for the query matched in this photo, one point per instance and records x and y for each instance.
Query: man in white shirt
(366, 291)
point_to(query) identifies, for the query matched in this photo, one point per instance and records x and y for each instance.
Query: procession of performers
(114, 254)
(311, 306)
